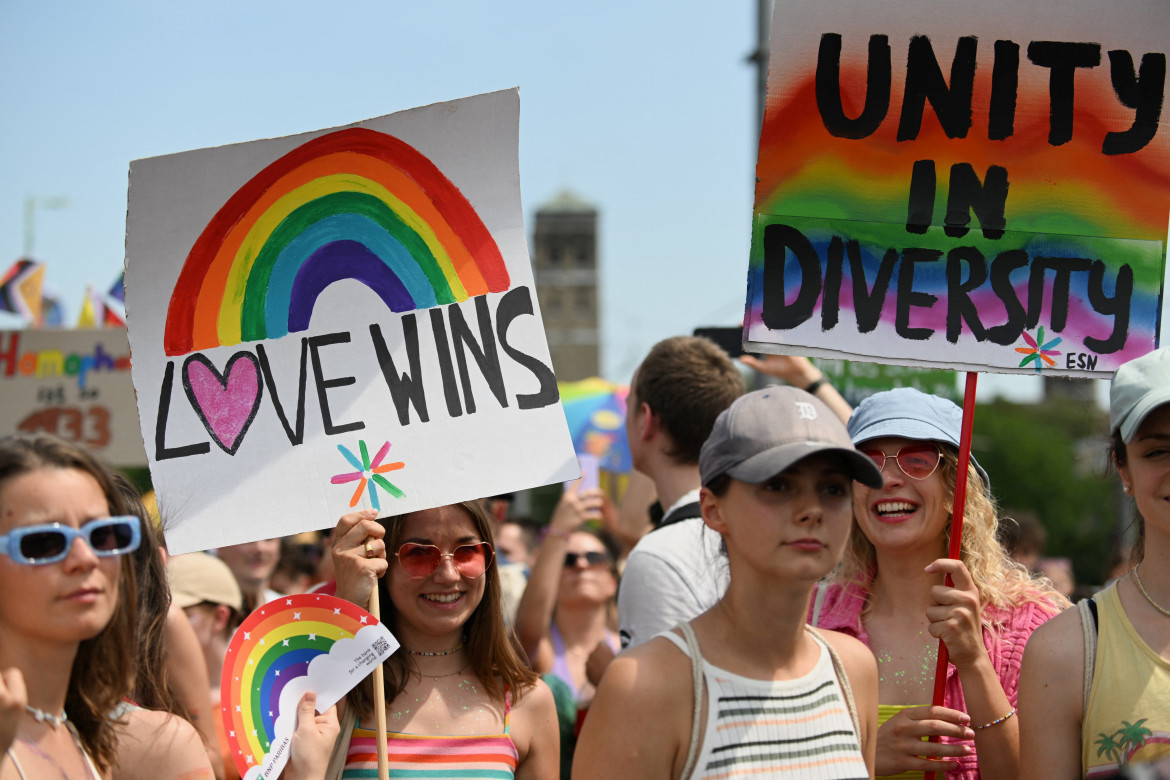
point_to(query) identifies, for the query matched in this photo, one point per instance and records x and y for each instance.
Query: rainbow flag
(21, 290)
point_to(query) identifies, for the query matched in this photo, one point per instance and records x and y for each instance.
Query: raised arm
(535, 613)
(800, 372)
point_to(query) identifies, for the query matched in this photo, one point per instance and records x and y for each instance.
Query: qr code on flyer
(381, 646)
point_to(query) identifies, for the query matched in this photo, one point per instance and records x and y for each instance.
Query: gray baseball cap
(1138, 388)
(768, 430)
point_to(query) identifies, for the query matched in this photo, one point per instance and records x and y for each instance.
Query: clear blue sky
(646, 109)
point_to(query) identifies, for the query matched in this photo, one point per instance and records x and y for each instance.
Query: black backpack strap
(684, 512)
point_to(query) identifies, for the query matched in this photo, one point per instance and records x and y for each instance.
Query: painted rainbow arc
(353, 204)
(272, 647)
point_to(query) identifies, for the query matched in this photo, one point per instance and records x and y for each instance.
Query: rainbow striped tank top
(478, 757)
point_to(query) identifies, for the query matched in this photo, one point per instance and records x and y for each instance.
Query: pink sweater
(841, 611)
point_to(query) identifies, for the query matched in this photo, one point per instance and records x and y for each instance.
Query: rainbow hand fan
(294, 644)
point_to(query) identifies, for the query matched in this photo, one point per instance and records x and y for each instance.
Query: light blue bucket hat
(907, 413)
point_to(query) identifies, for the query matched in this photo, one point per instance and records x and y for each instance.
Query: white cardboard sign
(339, 319)
(74, 384)
(976, 186)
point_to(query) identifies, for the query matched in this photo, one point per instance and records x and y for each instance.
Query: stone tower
(564, 244)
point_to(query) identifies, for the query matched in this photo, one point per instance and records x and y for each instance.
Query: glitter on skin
(924, 674)
(450, 695)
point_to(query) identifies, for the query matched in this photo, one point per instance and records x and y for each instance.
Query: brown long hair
(489, 644)
(102, 670)
(152, 687)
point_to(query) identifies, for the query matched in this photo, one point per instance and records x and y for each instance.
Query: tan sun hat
(199, 577)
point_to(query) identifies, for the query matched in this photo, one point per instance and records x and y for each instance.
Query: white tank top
(799, 728)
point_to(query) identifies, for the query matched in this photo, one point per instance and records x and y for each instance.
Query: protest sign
(971, 186)
(339, 319)
(74, 384)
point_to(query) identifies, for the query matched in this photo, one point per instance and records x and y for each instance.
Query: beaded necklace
(46, 717)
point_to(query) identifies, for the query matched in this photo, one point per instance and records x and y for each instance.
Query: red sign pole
(940, 670)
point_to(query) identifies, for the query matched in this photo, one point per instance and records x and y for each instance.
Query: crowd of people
(777, 611)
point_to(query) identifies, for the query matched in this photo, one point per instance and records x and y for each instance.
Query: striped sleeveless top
(794, 728)
(479, 757)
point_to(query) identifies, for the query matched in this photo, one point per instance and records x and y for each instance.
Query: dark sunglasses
(420, 560)
(39, 544)
(592, 559)
(917, 461)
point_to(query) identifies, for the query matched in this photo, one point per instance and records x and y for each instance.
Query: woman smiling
(890, 593)
(1119, 714)
(459, 700)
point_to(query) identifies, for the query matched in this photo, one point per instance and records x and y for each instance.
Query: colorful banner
(971, 186)
(21, 290)
(74, 384)
(337, 320)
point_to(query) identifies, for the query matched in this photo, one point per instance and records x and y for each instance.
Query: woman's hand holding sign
(359, 555)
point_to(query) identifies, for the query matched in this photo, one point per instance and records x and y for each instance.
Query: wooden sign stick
(380, 698)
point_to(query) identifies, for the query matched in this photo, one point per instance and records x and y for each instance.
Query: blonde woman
(890, 594)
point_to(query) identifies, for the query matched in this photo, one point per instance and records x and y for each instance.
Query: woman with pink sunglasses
(458, 697)
(890, 593)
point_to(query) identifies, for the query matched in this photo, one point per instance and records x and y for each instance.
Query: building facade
(564, 245)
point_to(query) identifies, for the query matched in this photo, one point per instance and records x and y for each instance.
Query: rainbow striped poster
(339, 320)
(979, 186)
(307, 642)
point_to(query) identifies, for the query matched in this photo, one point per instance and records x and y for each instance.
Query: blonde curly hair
(1001, 582)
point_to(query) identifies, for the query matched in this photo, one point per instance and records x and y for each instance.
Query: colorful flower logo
(368, 473)
(1038, 351)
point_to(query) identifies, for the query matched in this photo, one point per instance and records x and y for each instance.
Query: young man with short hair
(675, 572)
